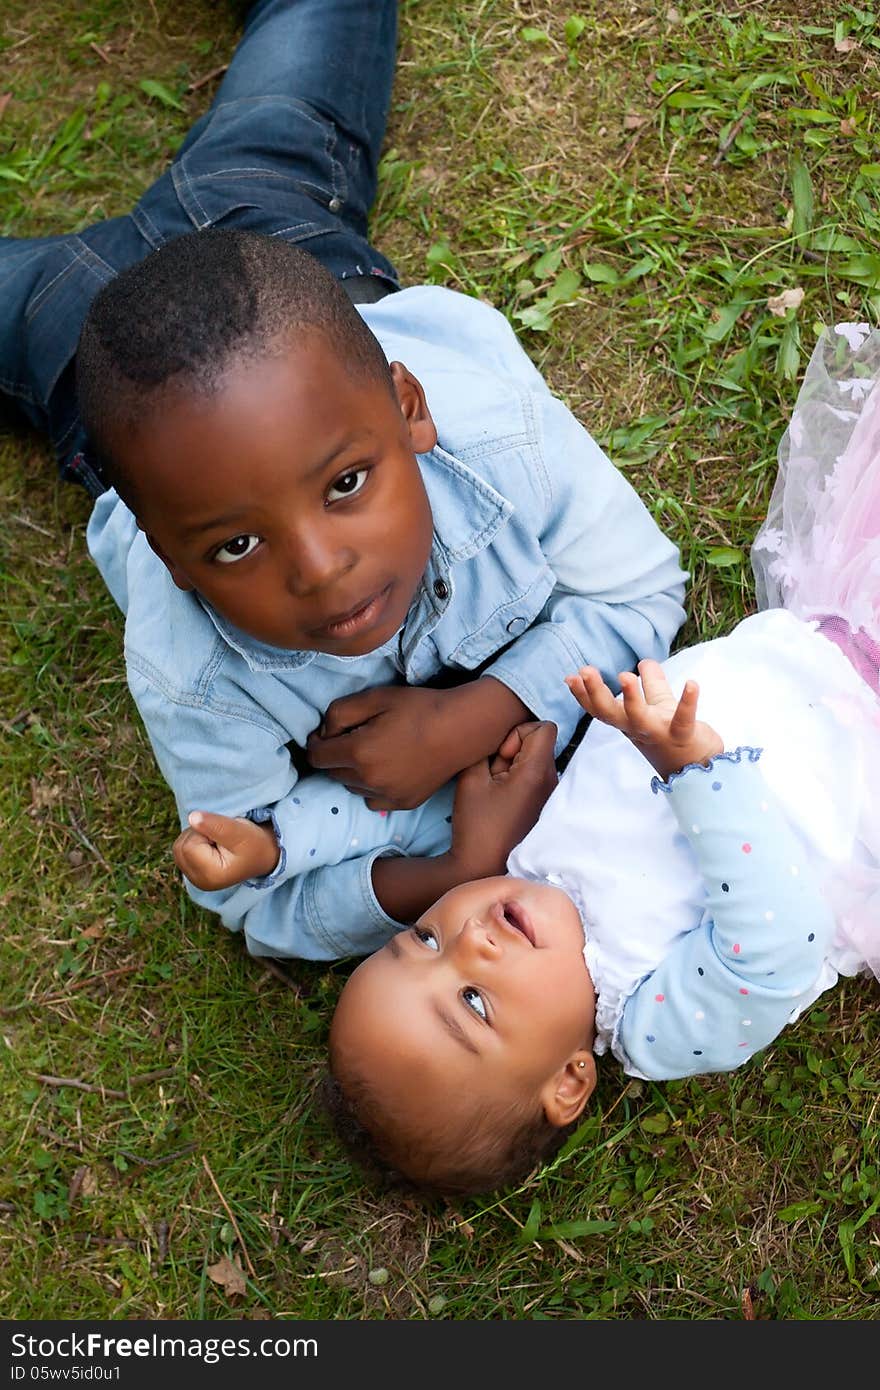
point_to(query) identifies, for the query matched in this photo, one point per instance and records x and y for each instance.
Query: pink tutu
(818, 556)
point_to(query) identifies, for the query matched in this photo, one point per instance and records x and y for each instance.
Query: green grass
(630, 190)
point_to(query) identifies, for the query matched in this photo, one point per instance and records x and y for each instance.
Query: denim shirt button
(335, 204)
(516, 625)
(441, 588)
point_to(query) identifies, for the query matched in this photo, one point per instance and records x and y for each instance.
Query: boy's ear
(414, 407)
(175, 571)
(567, 1092)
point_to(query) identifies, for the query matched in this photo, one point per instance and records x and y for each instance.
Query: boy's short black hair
(189, 311)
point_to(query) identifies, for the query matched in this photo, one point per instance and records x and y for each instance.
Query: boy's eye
(236, 549)
(427, 938)
(347, 485)
(474, 1001)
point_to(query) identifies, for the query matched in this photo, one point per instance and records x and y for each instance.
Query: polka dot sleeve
(728, 987)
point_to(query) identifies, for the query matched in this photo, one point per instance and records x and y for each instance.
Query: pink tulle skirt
(818, 556)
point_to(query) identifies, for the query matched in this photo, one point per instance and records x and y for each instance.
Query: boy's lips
(365, 614)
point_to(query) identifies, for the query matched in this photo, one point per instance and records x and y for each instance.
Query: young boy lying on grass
(339, 517)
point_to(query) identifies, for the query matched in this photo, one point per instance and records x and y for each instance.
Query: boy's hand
(665, 730)
(499, 799)
(221, 851)
(396, 745)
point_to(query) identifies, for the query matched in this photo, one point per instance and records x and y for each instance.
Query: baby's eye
(236, 549)
(427, 938)
(474, 1001)
(347, 485)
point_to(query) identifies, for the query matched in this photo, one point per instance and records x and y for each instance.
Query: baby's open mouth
(518, 918)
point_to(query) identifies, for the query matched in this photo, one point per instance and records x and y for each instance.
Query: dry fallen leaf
(43, 795)
(83, 1183)
(89, 1184)
(789, 299)
(228, 1275)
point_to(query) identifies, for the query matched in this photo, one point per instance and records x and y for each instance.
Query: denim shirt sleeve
(619, 587)
(728, 987)
(318, 903)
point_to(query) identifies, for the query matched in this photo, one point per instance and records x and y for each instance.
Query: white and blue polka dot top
(708, 901)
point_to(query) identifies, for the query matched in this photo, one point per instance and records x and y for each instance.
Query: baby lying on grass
(683, 923)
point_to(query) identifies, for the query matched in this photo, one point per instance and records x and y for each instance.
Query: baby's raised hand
(220, 851)
(665, 730)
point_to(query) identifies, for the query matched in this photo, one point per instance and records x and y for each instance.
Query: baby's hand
(499, 799)
(221, 851)
(665, 730)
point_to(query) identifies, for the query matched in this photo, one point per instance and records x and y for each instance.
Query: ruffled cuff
(658, 784)
(259, 815)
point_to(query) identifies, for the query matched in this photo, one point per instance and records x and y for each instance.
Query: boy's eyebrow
(230, 518)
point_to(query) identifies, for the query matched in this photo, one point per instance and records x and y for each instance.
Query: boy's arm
(728, 987)
(318, 902)
(333, 910)
(619, 587)
(496, 804)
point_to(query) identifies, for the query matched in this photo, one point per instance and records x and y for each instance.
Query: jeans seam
(81, 255)
(187, 195)
(147, 227)
(325, 128)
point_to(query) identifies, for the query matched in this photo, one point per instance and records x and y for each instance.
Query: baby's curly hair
(463, 1160)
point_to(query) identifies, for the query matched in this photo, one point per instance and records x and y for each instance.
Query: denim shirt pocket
(506, 620)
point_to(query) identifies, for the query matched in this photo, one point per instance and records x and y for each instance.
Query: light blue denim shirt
(543, 558)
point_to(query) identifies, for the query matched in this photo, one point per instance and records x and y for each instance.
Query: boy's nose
(312, 565)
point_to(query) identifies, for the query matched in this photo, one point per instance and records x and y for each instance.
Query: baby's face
(291, 499)
(486, 996)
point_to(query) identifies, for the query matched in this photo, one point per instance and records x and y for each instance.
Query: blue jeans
(289, 148)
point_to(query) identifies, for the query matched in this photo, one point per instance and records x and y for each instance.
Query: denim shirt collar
(467, 514)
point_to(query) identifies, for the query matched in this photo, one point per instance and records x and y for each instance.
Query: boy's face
(291, 499)
(487, 997)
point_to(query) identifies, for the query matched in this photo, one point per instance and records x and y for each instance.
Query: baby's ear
(174, 570)
(568, 1090)
(414, 407)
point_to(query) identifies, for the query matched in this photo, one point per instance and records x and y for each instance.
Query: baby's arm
(497, 801)
(729, 987)
(216, 852)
